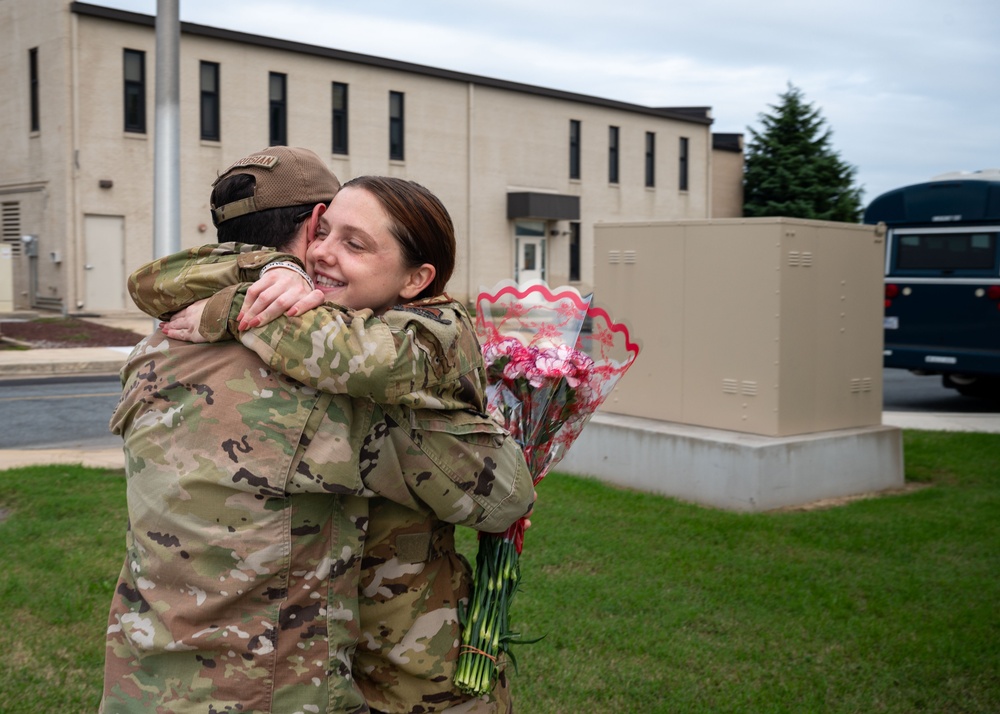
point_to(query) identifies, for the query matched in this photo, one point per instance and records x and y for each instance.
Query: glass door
(529, 238)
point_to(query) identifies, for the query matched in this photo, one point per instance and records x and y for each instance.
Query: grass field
(646, 604)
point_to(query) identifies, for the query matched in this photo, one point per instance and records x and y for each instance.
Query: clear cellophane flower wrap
(551, 360)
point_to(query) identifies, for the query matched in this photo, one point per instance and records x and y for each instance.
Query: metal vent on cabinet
(861, 384)
(800, 259)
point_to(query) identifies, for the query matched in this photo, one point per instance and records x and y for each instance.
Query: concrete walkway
(51, 362)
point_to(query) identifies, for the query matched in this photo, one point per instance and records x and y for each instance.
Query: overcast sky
(910, 88)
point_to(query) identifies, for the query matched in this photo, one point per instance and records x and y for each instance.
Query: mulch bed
(49, 332)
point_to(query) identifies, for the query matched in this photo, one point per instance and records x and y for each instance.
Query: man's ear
(313, 222)
(417, 280)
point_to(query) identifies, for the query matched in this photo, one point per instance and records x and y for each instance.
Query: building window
(683, 165)
(339, 118)
(612, 154)
(650, 159)
(210, 101)
(33, 85)
(396, 126)
(278, 109)
(574, 251)
(135, 91)
(574, 148)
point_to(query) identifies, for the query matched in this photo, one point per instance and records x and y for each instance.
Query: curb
(109, 368)
(47, 362)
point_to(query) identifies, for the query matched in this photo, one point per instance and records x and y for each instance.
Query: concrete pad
(733, 470)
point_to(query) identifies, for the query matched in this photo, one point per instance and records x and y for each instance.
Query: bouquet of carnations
(551, 360)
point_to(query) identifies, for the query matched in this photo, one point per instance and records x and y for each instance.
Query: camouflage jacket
(423, 354)
(410, 577)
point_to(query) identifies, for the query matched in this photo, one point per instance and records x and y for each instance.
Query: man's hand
(278, 291)
(185, 325)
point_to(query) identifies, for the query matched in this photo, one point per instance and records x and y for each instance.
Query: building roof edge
(684, 114)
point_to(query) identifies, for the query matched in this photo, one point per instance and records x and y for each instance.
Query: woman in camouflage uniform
(382, 254)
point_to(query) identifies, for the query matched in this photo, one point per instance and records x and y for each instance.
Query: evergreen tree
(791, 169)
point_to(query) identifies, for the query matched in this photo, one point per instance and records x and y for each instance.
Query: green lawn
(646, 604)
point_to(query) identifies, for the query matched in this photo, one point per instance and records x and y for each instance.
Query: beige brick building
(525, 171)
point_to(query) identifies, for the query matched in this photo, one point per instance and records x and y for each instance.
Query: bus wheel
(973, 386)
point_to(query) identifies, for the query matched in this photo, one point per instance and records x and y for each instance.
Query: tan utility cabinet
(770, 326)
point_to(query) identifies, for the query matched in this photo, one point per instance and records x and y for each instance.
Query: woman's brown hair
(419, 222)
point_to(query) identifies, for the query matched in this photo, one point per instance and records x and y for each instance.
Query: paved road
(58, 412)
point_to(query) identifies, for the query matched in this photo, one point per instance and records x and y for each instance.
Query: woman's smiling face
(355, 259)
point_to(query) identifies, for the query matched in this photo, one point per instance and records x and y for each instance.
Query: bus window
(946, 252)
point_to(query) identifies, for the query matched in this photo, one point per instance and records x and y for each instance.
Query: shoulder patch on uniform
(431, 313)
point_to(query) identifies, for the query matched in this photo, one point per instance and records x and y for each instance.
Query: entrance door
(104, 266)
(529, 237)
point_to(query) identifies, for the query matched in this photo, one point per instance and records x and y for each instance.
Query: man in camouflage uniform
(249, 522)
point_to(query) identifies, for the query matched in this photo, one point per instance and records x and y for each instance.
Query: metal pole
(166, 159)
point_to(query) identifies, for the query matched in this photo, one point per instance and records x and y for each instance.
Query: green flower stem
(486, 631)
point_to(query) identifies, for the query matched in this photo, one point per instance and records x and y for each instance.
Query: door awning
(546, 206)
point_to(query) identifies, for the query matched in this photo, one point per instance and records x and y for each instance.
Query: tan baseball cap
(284, 176)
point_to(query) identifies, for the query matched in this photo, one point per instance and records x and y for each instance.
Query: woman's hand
(279, 291)
(185, 325)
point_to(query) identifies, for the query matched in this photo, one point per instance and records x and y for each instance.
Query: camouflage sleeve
(464, 467)
(460, 467)
(403, 356)
(168, 284)
(409, 351)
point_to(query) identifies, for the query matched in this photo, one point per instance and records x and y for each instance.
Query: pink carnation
(565, 362)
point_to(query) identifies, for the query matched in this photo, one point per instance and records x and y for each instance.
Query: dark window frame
(682, 164)
(340, 126)
(650, 159)
(135, 93)
(277, 109)
(574, 148)
(33, 88)
(397, 126)
(574, 251)
(614, 136)
(211, 101)
(945, 252)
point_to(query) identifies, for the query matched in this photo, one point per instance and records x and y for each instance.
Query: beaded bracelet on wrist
(290, 266)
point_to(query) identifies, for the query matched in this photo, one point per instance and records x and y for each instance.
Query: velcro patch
(413, 547)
